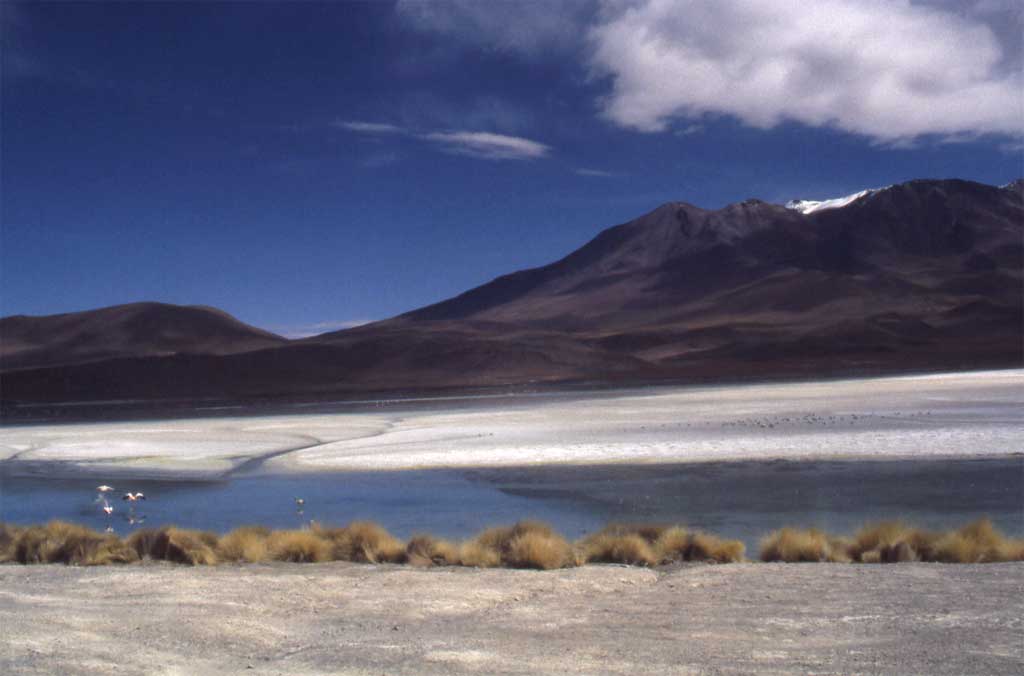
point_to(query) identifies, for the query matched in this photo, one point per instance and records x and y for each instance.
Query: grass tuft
(425, 550)
(977, 542)
(61, 542)
(297, 546)
(649, 545)
(177, 545)
(628, 549)
(362, 542)
(8, 536)
(895, 542)
(705, 547)
(793, 545)
(527, 544)
(887, 542)
(536, 549)
(477, 555)
(247, 543)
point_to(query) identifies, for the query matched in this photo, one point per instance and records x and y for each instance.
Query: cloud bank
(889, 70)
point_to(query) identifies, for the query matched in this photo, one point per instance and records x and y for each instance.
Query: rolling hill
(134, 330)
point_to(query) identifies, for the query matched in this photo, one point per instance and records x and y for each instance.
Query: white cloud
(478, 144)
(488, 146)
(369, 127)
(889, 70)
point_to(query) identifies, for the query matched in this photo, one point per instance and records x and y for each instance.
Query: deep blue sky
(306, 165)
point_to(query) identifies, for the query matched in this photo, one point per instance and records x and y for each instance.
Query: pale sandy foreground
(355, 619)
(959, 414)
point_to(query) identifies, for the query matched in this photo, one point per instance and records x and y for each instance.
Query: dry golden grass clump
(425, 550)
(476, 555)
(705, 547)
(177, 545)
(629, 544)
(362, 542)
(8, 535)
(891, 542)
(628, 549)
(978, 542)
(298, 546)
(793, 545)
(894, 542)
(649, 545)
(246, 543)
(61, 542)
(527, 544)
(539, 550)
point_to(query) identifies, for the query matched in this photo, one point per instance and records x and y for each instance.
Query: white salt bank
(961, 414)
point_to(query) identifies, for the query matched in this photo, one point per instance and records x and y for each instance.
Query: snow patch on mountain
(812, 206)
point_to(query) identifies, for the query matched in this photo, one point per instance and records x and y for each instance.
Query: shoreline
(70, 470)
(363, 402)
(737, 499)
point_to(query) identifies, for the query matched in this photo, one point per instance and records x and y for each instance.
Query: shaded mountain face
(135, 330)
(904, 241)
(925, 275)
(912, 268)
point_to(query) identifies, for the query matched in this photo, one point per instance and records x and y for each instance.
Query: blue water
(442, 503)
(742, 500)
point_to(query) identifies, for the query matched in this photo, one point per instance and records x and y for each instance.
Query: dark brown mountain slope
(134, 330)
(925, 275)
(929, 267)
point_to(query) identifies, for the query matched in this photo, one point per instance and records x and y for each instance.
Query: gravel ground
(354, 619)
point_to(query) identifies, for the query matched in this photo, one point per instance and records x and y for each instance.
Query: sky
(311, 166)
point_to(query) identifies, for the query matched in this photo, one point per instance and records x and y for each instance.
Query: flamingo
(104, 488)
(132, 497)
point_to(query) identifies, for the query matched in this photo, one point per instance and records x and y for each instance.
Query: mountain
(134, 330)
(911, 271)
(923, 275)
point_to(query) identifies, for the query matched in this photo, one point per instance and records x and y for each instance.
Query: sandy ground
(347, 618)
(965, 414)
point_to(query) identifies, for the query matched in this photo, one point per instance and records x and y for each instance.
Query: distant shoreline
(14, 413)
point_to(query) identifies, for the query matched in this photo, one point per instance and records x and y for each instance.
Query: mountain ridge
(920, 275)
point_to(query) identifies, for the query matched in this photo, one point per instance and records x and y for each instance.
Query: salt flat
(961, 414)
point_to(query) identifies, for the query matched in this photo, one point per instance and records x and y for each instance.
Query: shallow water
(742, 500)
